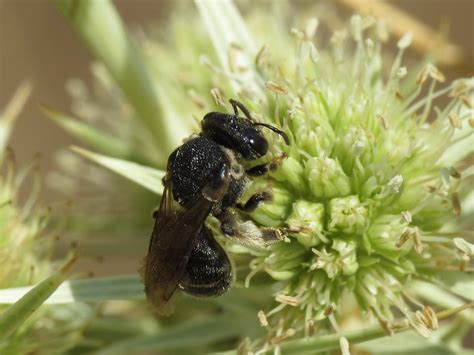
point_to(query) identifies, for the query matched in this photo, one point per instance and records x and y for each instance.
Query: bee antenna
(276, 130)
(238, 105)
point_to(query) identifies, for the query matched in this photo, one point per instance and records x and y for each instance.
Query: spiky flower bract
(26, 247)
(370, 192)
(21, 222)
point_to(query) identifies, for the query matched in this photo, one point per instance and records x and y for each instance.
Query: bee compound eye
(258, 144)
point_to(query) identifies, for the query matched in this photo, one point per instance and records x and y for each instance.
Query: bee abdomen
(209, 271)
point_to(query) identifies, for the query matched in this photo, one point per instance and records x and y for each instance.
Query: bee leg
(272, 165)
(247, 232)
(227, 221)
(253, 201)
(208, 272)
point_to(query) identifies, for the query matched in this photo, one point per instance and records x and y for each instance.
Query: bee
(205, 176)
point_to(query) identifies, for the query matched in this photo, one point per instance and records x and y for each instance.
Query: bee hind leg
(247, 232)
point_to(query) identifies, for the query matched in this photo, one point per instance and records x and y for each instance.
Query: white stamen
(395, 184)
(262, 319)
(405, 41)
(464, 246)
(311, 27)
(344, 345)
(289, 300)
(277, 89)
(401, 72)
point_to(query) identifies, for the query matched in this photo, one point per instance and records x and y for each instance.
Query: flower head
(367, 183)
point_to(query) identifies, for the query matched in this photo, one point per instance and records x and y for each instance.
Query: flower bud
(326, 178)
(274, 212)
(309, 217)
(348, 255)
(347, 215)
(291, 172)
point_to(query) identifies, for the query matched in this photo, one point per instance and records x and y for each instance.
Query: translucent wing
(171, 243)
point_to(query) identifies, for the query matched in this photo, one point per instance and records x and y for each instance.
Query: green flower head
(367, 194)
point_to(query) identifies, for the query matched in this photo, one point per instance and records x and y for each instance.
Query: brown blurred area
(37, 44)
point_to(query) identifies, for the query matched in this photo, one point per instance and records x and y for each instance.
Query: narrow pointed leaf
(467, 205)
(192, 334)
(145, 176)
(100, 27)
(14, 316)
(97, 140)
(11, 112)
(127, 287)
(460, 283)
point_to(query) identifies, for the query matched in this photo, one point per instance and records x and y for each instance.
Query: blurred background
(37, 44)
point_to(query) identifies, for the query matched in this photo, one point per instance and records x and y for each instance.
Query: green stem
(100, 27)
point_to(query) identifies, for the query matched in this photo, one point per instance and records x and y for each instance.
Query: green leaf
(126, 287)
(100, 27)
(145, 176)
(14, 316)
(458, 282)
(11, 112)
(194, 334)
(467, 205)
(97, 140)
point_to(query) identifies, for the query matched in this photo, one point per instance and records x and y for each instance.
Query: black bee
(205, 176)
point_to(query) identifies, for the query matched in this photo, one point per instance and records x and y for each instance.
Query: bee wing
(166, 212)
(171, 244)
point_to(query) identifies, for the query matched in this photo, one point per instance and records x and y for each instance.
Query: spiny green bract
(26, 247)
